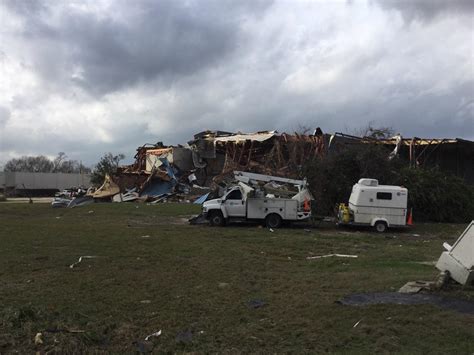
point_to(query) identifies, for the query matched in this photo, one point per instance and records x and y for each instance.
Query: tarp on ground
(156, 188)
(200, 200)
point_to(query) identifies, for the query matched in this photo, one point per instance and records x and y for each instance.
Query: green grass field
(195, 284)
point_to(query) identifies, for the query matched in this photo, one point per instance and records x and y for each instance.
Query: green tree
(332, 177)
(108, 164)
(437, 196)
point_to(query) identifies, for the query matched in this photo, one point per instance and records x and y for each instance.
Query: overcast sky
(89, 77)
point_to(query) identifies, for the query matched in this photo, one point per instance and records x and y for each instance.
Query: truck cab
(231, 204)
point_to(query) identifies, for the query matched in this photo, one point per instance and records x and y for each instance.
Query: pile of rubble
(158, 174)
(217, 154)
(202, 169)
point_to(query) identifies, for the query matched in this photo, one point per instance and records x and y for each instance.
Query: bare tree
(58, 161)
(30, 164)
(306, 130)
(371, 131)
(42, 164)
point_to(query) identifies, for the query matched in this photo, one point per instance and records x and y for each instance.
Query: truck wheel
(380, 226)
(217, 219)
(273, 221)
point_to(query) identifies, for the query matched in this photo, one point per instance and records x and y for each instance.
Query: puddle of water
(362, 299)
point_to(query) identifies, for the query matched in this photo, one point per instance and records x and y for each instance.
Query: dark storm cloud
(25, 7)
(150, 39)
(88, 77)
(426, 10)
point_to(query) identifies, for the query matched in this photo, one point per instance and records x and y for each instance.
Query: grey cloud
(407, 110)
(26, 7)
(4, 116)
(164, 39)
(427, 10)
(214, 65)
(81, 148)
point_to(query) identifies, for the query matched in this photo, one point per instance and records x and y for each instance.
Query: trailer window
(384, 195)
(234, 195)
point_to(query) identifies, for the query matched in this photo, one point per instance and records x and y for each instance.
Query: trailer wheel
(217, 219)
(380, 226)
(273, 220)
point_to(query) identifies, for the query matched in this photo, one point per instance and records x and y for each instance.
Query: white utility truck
(258, 197)
(371, 204)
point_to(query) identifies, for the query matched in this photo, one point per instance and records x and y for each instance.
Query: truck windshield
(234, 195)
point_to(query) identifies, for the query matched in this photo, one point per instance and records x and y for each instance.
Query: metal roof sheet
(258, 137)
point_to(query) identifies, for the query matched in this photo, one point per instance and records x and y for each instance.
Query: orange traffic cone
(306, 205)
(410, 217)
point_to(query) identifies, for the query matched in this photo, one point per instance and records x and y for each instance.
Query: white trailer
(371, 204)
(245, 203)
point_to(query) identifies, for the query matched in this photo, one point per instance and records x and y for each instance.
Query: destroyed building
(157, 172)
(216, 154)
(207, 162)
(188, 172)
(451, 155)
(455, 156)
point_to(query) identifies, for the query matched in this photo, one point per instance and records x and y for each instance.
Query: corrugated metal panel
(159, 151)
(416, 141)
(259, 137)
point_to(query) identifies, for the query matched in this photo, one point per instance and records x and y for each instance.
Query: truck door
(234, 204)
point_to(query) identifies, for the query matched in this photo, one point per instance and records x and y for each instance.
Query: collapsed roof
(454, 155)
(212, 156)
(265, 152)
